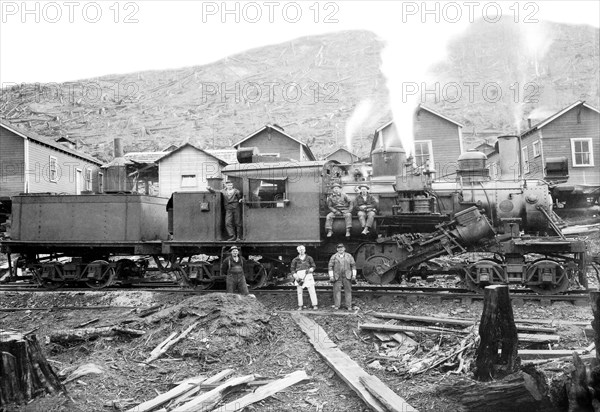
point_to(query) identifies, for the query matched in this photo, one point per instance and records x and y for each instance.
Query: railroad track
(409, 293)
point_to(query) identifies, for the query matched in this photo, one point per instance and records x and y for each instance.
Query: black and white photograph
(302, 206)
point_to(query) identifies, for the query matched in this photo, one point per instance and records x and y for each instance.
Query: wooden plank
(207, 401)
(456, 322)
(523, 337)
(213, 380)
(384, 394)
(180, 389)
(263, 392)
(348, 370)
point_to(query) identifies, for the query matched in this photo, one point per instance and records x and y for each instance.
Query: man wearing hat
(367, 206)
(233, 268)
(232, 198)
(339, 205)
(342, 270)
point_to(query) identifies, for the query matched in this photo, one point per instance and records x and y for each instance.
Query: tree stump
(24, 371)
(497, 325)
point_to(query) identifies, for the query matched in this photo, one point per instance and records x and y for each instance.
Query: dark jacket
(230, 266)
(342, 265)
(299, 264)
(339, 203)
(370, 203)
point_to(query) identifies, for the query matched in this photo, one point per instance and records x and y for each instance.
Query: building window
(53, 169)
(536, 149)
(581, 152)
(525, 159)
(269, 193)
(88, 179)
(188, 181)
(424, 154)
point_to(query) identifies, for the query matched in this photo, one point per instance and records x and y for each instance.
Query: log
(24, 371)
(180, 389)
(595, 303)
(348, 370)
(170, 341)
(497, 325)
(263, 392)
(522, 391)
(455, 322)
(78, 335)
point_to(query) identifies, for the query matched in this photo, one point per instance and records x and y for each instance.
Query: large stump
(24, 371)
(497, 326)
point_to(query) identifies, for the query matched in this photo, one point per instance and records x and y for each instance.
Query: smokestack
(118, 152)
(509, 151)
(529, 123)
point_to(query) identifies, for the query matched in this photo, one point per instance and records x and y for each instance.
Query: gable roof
(340, 149)
(557, 115)
(279, 130)
(48, 142)
(419, 108)
(193, 147)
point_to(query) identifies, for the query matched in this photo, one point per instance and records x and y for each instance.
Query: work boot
(365, 231)
(347, 233)
(329, 233)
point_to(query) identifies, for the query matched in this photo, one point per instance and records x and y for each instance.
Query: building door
(78, 181)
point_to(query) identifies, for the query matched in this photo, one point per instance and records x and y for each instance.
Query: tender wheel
(547, 277)
(49, 275)
(376, 270)
(98, 274)
(196, 275)
(256, 275)
(484, 273)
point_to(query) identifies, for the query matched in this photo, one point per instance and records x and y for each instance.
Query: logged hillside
(309, 86)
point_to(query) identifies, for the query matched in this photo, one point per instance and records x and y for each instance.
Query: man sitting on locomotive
(367, 207)
(232, 198)
(233, 268)
(302, 269)
(339, 205)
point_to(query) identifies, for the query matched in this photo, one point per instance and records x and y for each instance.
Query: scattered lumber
(384, 394)
(83, 370)
(455, 322)
(162, 348)
(213, 380)
(180, 389)
(343, 365)
(497, 325)
(77, 335)
(207, 401)
(24, 371)
(264, 392)
(89, 322)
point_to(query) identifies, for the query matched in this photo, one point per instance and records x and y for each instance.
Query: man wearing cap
(233, 268)
(342, 270)
(232, 198)
(339, 205)
(367, 206)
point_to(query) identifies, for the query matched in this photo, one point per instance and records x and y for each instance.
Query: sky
(56, 41)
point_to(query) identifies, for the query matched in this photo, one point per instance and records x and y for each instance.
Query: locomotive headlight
(532, 199)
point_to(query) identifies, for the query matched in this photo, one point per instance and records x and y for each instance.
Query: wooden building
(437, 138)
(342, 155)
(187, 169)
(271, 140)
(564, 149)
(30, 163)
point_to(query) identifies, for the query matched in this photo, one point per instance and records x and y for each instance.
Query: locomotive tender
(420, 218)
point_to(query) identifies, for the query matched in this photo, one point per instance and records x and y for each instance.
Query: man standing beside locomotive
(303, 267)
(342, 270)
(367, 207)
(232, 198)
(338, 204)
(233, 268)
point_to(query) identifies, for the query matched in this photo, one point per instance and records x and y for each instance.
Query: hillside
(215, 105)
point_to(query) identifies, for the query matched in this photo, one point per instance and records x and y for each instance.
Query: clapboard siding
(557, 137)
(186, 161)
(271, 141)
(536, 164)
(12, 163)
(444, 136)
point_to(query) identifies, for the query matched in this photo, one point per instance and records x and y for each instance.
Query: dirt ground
(249, 335)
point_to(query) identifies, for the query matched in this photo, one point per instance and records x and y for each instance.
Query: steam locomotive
(102, 238)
